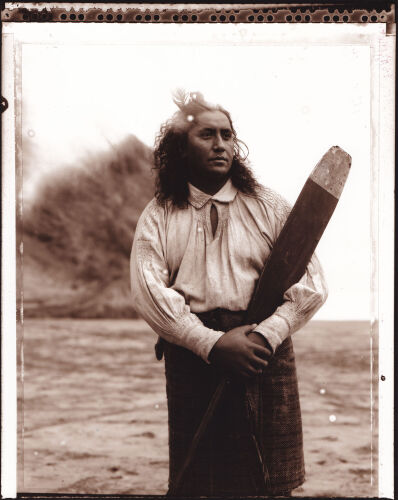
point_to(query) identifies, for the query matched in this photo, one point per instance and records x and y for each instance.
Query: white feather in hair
(184, 99)
(180, 98)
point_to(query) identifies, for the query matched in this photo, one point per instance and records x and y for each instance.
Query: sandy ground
(93, 414)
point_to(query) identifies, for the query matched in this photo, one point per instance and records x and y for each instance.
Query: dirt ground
(93, 414)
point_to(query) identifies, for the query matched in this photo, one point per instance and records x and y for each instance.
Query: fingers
(253, 366)
(252, 371)
(246, 329)
(256, 360)
(261, 351)
(259, 363)
(235, 352)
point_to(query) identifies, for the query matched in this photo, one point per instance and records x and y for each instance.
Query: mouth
(218, 158)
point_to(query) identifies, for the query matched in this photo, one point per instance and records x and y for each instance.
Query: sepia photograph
(203, 253)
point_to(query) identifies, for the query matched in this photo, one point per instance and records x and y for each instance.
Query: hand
(261, 340)
(236, 352)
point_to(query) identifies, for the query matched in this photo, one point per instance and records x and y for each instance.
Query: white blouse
(179, 268)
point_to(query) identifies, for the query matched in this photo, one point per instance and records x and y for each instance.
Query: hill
(78, 231)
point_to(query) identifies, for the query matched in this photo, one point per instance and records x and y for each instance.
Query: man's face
(210, 147)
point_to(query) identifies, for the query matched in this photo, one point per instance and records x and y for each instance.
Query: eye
(206, 134)
(227, 134)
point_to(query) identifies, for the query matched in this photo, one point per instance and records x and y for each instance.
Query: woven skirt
(226, 462)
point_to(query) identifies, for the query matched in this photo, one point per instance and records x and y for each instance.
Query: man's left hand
(260, 340)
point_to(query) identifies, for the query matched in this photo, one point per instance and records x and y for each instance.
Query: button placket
(209, 227)
(214, 218)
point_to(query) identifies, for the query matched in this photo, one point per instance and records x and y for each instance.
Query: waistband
(222, 319)
(216, 319)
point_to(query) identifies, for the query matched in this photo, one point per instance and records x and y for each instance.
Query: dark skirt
(226, 462)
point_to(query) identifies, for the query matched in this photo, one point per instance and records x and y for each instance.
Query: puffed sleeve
(302, 300)
(163, 308)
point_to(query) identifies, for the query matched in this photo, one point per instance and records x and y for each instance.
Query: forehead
(212, 119)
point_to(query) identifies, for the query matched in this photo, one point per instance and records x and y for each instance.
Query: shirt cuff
(202, 340)
(275, 329)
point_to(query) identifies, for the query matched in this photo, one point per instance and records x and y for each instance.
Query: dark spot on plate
(360, 472)
(329, 438)
(147, 434)
(131, 472)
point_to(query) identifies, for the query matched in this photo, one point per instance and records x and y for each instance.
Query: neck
(209, 186)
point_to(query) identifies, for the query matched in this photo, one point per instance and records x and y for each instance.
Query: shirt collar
(198, 198)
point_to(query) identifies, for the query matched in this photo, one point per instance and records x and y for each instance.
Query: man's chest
(240, 241)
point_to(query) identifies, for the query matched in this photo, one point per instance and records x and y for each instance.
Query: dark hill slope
(78, 232)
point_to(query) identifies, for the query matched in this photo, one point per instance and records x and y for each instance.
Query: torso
(220, 270)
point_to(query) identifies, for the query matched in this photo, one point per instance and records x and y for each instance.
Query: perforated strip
(172, 14)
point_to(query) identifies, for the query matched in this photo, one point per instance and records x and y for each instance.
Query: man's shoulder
(156, 212)
(153, 207)
(152, 213)
(271, 199)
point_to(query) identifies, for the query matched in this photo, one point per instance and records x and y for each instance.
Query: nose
(218, 144)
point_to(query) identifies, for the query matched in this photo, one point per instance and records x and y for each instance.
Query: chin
(220, 170)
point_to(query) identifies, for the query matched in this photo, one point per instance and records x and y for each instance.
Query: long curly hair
(170, 145)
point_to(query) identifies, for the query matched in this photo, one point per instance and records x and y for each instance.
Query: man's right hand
(235, 352)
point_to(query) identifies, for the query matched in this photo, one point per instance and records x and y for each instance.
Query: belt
(222, 319)
(216, 319)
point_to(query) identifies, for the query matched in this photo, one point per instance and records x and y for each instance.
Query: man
(199, 248)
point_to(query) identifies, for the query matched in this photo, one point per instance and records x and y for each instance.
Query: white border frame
(383, 105)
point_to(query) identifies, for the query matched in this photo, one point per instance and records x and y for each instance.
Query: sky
(292, 95)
